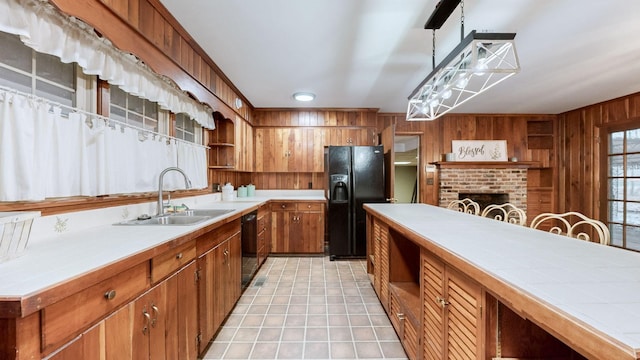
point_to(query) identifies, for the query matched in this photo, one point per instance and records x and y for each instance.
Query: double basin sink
(188, 217)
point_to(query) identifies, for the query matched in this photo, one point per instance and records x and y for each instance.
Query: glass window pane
(134, 119)
(15, 80)
(51, 68)
(616, 165)
(616, 142)
(633, 213)
(616, 234)
(189, 137)
(633, 189)
(633, 140)
(118, 96)
(150, 109)
(616, 211)
(14, 53)
(633, 165)
(633, 237)
(54, 93)
(151, 124)
(118, 114)
(616, 189)
(134, 104)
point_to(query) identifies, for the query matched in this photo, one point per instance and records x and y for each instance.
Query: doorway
(406, 165)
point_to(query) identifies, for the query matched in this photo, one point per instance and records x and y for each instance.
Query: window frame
(607, 130)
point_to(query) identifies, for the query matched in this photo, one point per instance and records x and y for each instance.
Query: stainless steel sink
(189, 217)
(167, 220)
(204, 212)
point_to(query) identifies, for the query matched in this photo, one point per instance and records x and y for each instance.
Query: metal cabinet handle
(443, 302)
(156, 312)
(145, 329)
(110, 295)
(178, 256)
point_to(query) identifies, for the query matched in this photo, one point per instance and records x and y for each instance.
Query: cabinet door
(452, 312)
(244, 146)
(187, 314)
(381, 259)
(310, 225)
(233, 279)
(86, 347)
(280, 231)
(464, 317)
(206, 297)
(433, 316)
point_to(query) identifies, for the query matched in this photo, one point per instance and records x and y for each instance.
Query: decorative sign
(479, 150)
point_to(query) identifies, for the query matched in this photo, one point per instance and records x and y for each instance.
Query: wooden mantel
(485, 164)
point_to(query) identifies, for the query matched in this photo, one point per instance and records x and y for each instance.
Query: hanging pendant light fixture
(479, 62)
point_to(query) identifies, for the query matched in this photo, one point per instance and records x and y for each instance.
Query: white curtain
(42, 28)
(44, 154)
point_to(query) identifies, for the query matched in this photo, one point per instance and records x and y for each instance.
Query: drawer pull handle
(179, 256)
(443, 302)
(110, 295)
(283, 206)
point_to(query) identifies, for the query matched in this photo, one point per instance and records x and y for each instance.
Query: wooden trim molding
(484, 164)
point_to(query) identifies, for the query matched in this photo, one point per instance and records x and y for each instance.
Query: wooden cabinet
(378, 258)
(289, 150)
(86, 346)
(244, 151)
(297, 227)
(540, 134)
(452, 315)
(264, 233)
(219, 264)
(341, 136)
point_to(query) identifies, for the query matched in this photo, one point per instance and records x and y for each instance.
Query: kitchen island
(455, 284)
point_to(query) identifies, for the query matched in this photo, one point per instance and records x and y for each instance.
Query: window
(133, 110)
(187, 129)
(623, 188)
(28, 71)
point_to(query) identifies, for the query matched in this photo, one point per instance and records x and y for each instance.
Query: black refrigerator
(356, 176)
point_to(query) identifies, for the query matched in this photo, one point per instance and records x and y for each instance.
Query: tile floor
(308, 308)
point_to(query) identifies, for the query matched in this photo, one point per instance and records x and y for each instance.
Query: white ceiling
(373, 53)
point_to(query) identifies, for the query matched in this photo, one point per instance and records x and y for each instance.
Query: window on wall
(134, 111)
(28, 71)
(187, 129)
(623, 188)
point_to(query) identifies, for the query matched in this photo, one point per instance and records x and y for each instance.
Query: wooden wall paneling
(134, 12)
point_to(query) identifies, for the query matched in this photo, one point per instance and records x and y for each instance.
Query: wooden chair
(580, 229)
(465, 205)
(506, 212)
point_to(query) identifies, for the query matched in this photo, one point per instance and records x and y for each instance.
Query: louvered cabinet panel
(464, 323)
(433, 312)
(377, 266)
(384, 266)
(410, 338)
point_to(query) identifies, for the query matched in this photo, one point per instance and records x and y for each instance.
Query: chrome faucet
(187, 184)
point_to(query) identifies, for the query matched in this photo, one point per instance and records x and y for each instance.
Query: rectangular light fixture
(479, 62)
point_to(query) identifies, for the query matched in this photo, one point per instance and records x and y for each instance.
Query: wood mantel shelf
(485, 164)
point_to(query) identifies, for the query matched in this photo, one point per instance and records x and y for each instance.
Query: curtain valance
(44, 29)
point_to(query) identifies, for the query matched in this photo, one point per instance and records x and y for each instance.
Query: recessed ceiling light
(304, 96)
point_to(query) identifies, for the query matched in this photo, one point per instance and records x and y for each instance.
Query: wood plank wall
(581, 136)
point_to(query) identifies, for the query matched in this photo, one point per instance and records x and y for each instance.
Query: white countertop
(68, 254)
(598, 285)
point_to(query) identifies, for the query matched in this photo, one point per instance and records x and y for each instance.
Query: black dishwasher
(249, 247)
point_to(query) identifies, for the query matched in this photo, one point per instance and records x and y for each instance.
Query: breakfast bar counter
(584, 294)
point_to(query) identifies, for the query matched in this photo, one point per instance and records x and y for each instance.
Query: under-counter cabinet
(219, 271)
(264, 233)
(452, 313)
(297, 227)
(378, 258)
(159, 324)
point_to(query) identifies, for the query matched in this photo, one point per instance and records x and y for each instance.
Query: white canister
(242, 191)
(251, 190)
(227, 192)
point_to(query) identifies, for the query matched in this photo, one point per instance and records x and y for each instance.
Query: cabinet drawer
(283, 205)
(168, 262)
(311, 206)
(74, 314)
(262, 223)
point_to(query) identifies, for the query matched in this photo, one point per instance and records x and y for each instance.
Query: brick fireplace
(470, 178)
